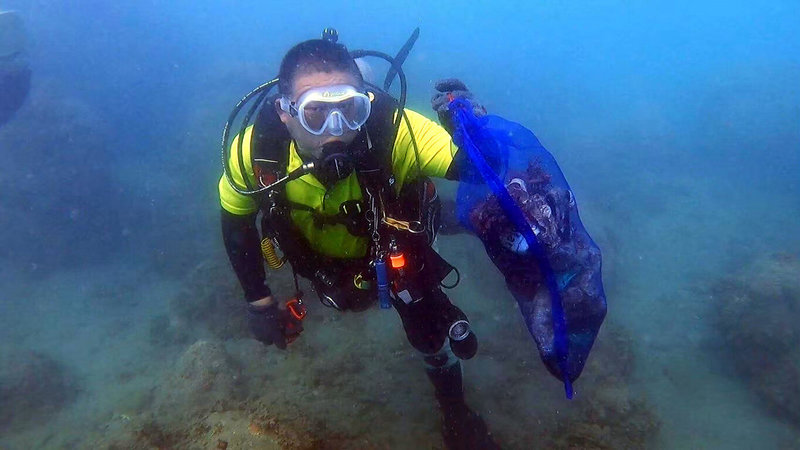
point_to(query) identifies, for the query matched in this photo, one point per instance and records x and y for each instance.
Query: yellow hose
(270, 255)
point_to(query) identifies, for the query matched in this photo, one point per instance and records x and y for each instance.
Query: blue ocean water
(677, 126)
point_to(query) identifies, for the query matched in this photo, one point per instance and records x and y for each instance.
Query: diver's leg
(426, 323)
(461, 427)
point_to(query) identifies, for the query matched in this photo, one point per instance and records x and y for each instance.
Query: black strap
(375, 169)
(351, 215)
(270, 142)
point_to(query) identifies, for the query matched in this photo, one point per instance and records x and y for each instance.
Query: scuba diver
(15, 73)
(339, 172)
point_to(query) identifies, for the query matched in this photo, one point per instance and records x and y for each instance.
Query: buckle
(414, 226)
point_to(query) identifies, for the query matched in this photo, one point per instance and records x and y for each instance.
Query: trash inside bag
(514, 197)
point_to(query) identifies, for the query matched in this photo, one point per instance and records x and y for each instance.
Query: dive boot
(462, 428)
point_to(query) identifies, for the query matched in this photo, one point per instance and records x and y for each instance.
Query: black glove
(266, 324)
(447, 90)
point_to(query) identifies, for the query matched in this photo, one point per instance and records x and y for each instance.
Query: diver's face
(309, 144)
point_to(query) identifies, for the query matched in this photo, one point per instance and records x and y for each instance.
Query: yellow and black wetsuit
(428, 315)
(308, 198)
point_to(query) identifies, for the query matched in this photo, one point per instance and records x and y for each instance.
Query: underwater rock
(33, 386)
(204, 378)
(611, 415)
(211, 305)
(609, 410)
(12, 35)
(758, 315)
(61, 185)
(152, 435)
(613, 420)
(15, 73)
(15, 83)
(163, 332)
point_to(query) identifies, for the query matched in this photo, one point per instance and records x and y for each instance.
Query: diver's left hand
(266, 324)
(447, 90)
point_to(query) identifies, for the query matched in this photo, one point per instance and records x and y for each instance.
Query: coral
(33, 386)
(759, 309)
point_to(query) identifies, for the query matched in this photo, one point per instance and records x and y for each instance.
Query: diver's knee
(443, 358)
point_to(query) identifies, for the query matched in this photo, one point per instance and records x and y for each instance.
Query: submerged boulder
(15, 73)
(609, 411)
(211, 305)
(759, 313)
(60, 184)
(612, 415)
(33, 387)
(203, 379)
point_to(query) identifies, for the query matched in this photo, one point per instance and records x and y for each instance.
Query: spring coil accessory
(271, 255)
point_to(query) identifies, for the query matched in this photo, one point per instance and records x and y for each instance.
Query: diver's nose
(334, 124)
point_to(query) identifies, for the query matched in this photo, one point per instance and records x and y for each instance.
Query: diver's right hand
(265, 322)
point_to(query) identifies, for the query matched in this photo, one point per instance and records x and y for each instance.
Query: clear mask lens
(329, 109)
(333, 124)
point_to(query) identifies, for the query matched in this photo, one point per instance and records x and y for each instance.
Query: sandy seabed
(167, 363)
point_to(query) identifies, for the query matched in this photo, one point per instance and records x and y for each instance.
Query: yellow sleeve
(436, 149)
(232, 201)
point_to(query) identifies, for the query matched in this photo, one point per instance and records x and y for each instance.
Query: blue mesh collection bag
(515, 199)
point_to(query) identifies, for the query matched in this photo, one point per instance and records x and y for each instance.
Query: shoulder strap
(375, 166)
(270, 141)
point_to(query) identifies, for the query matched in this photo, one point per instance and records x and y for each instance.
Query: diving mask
(329, 108)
